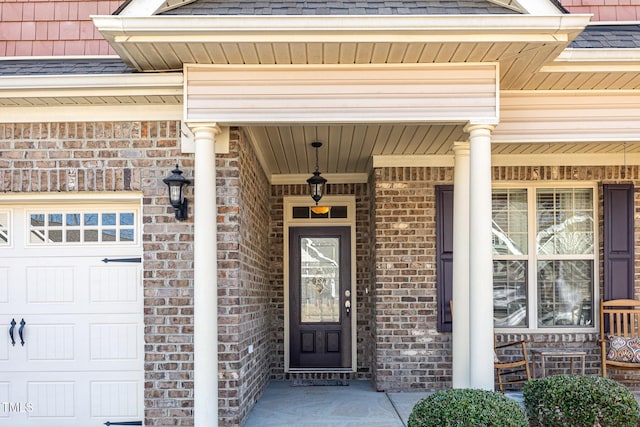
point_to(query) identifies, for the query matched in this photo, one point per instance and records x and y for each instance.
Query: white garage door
(71, 349)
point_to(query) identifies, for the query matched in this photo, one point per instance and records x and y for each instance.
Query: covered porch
(403, 105)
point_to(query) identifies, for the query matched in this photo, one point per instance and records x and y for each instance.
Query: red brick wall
(53, 27)
(410, 353)
(243, 280)
(606, 10)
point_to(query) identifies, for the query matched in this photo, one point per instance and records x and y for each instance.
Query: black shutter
(444, 254)
(618, 241)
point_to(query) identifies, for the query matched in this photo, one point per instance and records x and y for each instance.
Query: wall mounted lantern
(176, 183)
(316, 182)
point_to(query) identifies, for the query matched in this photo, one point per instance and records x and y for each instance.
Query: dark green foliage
(469, 408)
(579, 401)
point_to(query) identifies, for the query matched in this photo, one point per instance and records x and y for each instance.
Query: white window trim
(532, 257)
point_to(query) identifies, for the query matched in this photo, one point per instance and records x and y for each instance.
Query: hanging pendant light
(316, 182)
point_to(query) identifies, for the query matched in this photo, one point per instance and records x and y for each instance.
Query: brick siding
(243, 280)
(410, 353)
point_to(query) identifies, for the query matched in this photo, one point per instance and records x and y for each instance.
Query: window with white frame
(90, 227)
(544, 257)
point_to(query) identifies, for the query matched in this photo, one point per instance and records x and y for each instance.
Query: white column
(205, 271)
(480, 258)
(460, 335)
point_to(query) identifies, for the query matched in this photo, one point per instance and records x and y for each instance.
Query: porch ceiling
(287, 156)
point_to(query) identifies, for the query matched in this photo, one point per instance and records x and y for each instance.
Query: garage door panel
(82, 361)
(114, 341)
(58, 287)
(52, 399)
(54, 284)
(5, 396)
(113, 284)
(4, 285)
(50, 343)
(114, 399)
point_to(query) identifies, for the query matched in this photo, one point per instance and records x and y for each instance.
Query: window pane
(564, 221)
(510, 293)
(73, 219)
(108, 219)
(4, 227)
(320, 282)
(126, 235)
(55, 236)
(73, 236)
(126, 218)
(565, 293)
(55, 220)
(90, 235)
(509, 221)
(91, 219)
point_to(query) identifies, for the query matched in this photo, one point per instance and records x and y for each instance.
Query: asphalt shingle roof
(608, 37)
(348, 7)
(57, 67)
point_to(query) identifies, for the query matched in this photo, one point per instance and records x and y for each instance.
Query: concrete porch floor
(357, 404)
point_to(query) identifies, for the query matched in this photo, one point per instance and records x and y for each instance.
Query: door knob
(347, 305)
(13, 325)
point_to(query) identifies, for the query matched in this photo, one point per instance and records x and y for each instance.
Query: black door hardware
(124, 423)
(22, 323)
(107, 260)
(13, 325)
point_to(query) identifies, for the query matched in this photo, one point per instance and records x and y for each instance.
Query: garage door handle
(22, 323)
(13, 325)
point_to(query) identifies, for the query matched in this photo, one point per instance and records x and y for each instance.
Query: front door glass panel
(320, 281)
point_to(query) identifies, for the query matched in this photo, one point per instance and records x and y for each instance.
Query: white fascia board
(89, 113)
(402, 28)
(595, 60)
(161, 81)
(556, 159)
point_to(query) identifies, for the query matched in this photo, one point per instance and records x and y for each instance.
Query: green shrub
(469, 408)
(579, 401)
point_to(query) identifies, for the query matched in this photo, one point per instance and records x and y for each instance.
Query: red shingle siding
(606, 10)
(53, 28)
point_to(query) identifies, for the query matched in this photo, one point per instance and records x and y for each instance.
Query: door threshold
(319, 370)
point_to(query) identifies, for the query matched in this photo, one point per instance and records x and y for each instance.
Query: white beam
(90, 113)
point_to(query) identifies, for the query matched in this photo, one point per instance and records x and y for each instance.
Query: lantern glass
(175, 194)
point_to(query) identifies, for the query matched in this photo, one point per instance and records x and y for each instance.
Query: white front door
(71, 325)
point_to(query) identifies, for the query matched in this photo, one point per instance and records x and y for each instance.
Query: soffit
(522, 44)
